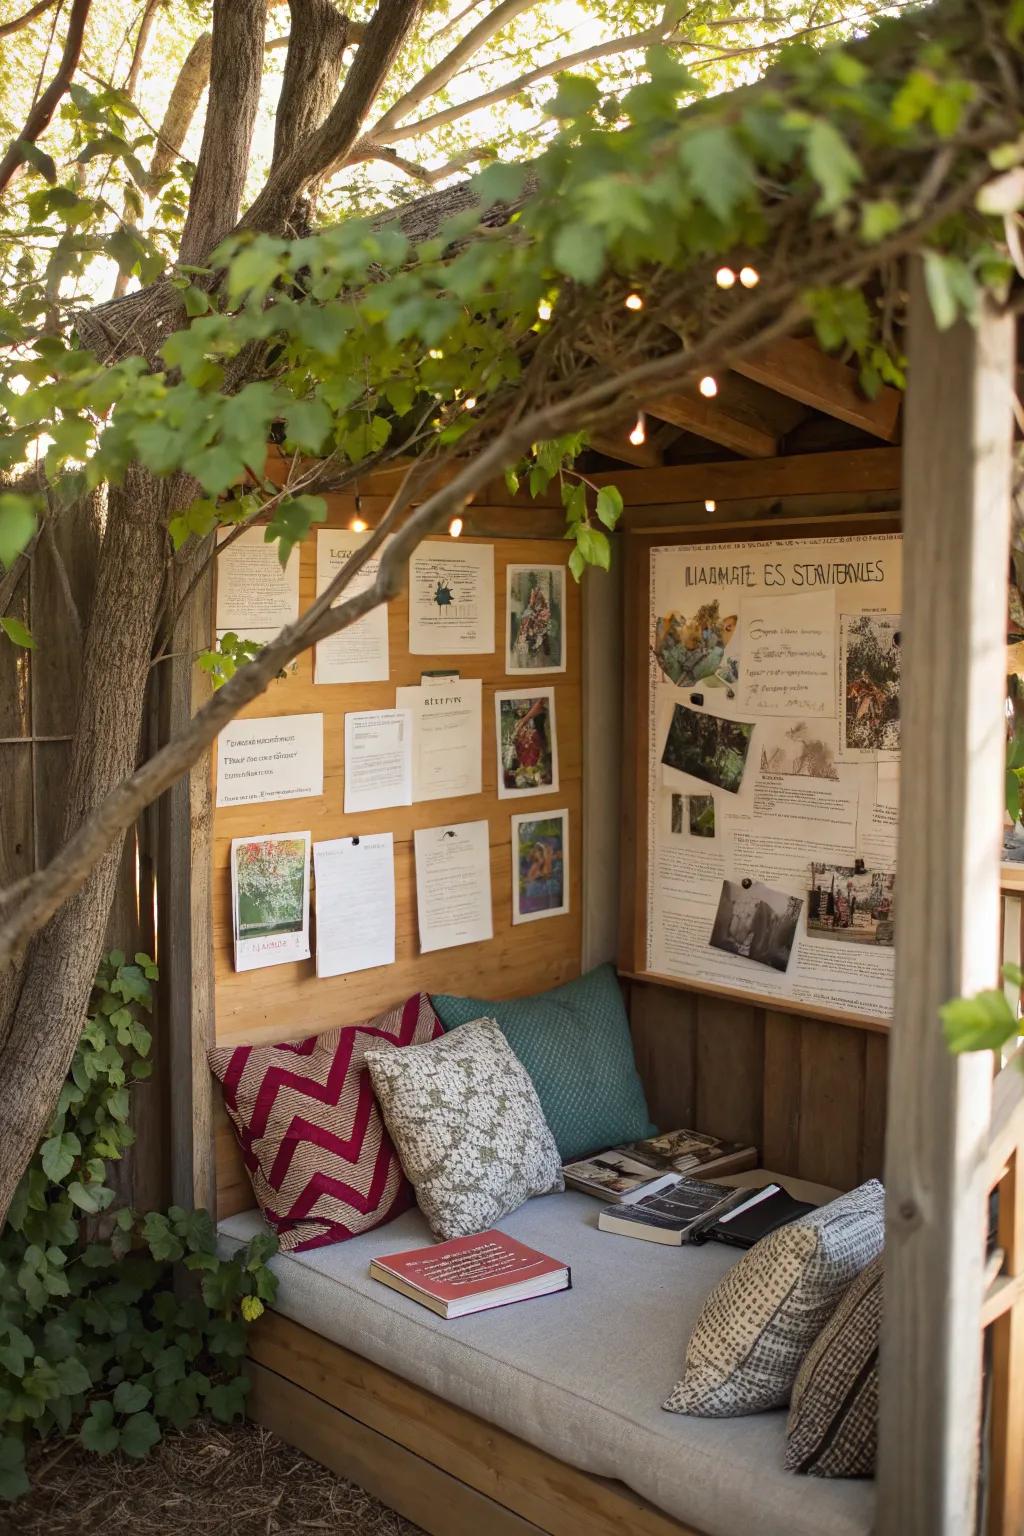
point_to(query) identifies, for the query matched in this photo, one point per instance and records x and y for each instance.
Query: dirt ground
(209, 1481)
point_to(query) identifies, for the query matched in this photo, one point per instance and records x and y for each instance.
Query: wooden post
(957, 475)
(186, 915)
(603, 750)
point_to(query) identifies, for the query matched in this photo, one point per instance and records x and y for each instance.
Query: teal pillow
(574, 1042)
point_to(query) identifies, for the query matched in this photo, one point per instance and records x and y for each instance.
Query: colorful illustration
(699, 649)
(527, 754)
(857, 906)
(708, 747)
(756, 922)
(535, 609)
(270, 876)
(540, 859)
(870, 652)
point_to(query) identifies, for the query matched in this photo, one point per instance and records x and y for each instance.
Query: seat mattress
(581, 1374)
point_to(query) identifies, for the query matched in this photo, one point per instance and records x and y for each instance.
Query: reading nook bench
(574, 1380)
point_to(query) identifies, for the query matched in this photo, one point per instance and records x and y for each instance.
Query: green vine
(98, 1336)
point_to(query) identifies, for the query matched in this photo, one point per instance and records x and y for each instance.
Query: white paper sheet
(453, 885)
(378, 759)
(355, 903)
(270, 899)
(255, 597)
(788, 654)
(451, 599)
(358, 654)
(447, 737)
(280, 757)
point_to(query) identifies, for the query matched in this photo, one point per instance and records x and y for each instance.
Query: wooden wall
(287, 1001)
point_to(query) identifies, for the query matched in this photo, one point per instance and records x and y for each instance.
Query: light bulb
(470, 402)
(634, 301)
(725, 277)
(455, 527)
(749, 277)
(358, 525)
(708, 387)
(639, 432)
(435, 353)
(543, 310)
(710, 505)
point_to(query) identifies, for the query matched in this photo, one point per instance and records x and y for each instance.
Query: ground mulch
(207, 1481)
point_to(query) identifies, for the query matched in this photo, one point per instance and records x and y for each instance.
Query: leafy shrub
(101, 1334)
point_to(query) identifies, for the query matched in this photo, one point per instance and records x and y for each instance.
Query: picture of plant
(698, 649)
(527, 745)
(540, 866)
(701, 815)
(708, 747)
(870, 660)
(270, 886)
(535, 618)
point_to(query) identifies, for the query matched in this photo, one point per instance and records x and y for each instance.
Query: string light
(708, 387)
(358, 524)
(543, 310)
(455, 527)
(749, 277)
(435, 353)
(470, 402)
(725, 277)
(710, 505)
(634, 301)
(639, 432)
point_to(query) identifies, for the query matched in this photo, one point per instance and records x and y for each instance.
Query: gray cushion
(758, 1324)
(468, 1126)
(581, 1374)
(833, 1415)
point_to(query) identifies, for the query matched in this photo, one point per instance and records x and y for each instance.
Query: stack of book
(623, 1175)
(699, 1211)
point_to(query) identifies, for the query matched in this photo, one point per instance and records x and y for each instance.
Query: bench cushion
(581, 1374)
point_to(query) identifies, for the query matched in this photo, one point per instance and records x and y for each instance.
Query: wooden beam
(957, 457)
(716, 424)
(1006, 1493)
(801, 371)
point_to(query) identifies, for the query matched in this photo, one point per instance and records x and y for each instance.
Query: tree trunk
(42, 1007)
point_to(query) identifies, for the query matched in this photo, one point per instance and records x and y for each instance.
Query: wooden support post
(186, 913)
(957, 472)
(602, 643)
(1006, 1493)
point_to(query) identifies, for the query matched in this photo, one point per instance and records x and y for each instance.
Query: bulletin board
(288, 1001)
(762, 798)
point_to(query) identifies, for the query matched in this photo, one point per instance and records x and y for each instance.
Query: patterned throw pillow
(321, 1163)
(765, 1313)
(468, 1127)
(575, 1043)
(833, 1415)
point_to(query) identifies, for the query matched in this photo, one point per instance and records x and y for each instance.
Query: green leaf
(609, 505)
(86, 1199)
(720, 171)
(17, 525)
(499, 183)
(226, 1401)
(579, 253)
(307, 424)
(982, 1023)
(576, 96)
(13, 1482)
(37, 158)
(17, 633)
(577, 564)
(951, 288)
(593, 545)
(139, 1434)
(879, 219)
(131, 1397)
(99, 1433)
(57, 1156)
(832, 163)
(73, 1376)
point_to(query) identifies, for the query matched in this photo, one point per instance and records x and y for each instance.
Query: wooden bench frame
(440, 1466)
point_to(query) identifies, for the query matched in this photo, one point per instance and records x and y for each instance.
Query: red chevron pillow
(322, 1165)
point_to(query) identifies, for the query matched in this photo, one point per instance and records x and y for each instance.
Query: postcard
(701, 648)
(789, 655)
(756, 922)
(540, 866)
(535, 618)
(870, 660)
(852, 904)
(707, 747)
(527, 742)
(805, 749)
(270, 899)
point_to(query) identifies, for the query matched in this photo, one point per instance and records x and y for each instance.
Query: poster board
(764, 799)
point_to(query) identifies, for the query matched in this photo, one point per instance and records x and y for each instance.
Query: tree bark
(186, 94)
(43, 1002)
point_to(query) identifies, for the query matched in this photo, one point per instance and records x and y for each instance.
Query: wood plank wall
(287, 1001)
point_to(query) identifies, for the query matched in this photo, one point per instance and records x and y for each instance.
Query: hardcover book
(471, 1274)
(623, 1175)
(698, 1211)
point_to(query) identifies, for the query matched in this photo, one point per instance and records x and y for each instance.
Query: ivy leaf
(579, 252)
(99, 1433)
(951, 288)
(139, 1434)
(17, 525)
(982, 1023)
(86, 1199)
(307, 423)
(720, 172)
(73, 1376)
(57, 1156)
(131, 1397)
(226, 1401)
(13, 1482)
(577, 564)
(609, 505)
(17, 633)
(832, 163)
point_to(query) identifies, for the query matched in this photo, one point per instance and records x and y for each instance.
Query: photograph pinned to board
(869, 661)
(756, 922)
(270, 899)
(451, 599)
(799, 748)
(701, 648)
(707, 747)
(540, 866)
(527, 742)
(453, 885)
(278, 757)
(691, 815)
(854, 905)
(535, 618)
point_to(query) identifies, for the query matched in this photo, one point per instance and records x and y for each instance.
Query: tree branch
(236, 73)
(186, 94)
(430, 177)
(8, 27)
(332, 141)
(39, 117)
(437, 78)
(131, 85)
(317, 42)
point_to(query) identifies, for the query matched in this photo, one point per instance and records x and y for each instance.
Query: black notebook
(754, 1219)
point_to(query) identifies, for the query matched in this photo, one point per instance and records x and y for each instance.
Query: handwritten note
(789, 649)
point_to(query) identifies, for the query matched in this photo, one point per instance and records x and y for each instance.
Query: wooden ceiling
(788, 398)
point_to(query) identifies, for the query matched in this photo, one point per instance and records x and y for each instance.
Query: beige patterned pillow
(766, 1312)
(468, 1126)
(833, 1414)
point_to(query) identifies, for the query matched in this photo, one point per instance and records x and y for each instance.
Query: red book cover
(470, 1266)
